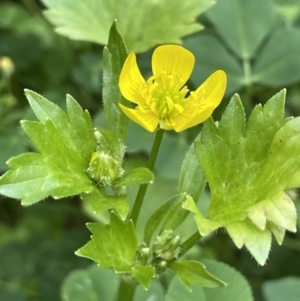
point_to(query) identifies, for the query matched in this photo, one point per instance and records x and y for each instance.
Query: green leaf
(233, 158)
(259, 51)
(271, 115)
(205, 226)
(90, 285)
(94, 284)
(90, 20)
(114, 56)
(65, 144)
(143, 274)
(136, 176)
(221, 157)
(237, 288)
(278, 63)
(178, 292)
(193, 272)
(100, 202)
(257, 241)
(113, 245)
(211, 55)
(246, 24)
(155, 292)
(282, 164)
(175, 215)
(279, 210)
(159, 214)
(237, 159)
(192, 179)
(287, 289)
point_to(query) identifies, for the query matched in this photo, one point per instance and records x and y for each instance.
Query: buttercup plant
(247, 170)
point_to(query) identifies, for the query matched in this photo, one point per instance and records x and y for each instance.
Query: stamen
(163, 97)
(148, 99)
(161, 105)
(170, 103)
(164, 112)
(179, 108)
(153, 107)
(152, 87)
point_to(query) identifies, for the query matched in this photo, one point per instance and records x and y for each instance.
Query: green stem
(189, 243)
(143, 188)
(126, 289)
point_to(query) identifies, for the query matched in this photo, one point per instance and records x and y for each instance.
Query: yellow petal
(131, 82)
(184, 122)
(202, 103)
(212, 90)
(148, 120)
(173, 61)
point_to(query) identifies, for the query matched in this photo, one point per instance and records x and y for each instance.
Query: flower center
(163, 96)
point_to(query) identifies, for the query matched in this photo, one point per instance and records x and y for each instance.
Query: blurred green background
(256, 42)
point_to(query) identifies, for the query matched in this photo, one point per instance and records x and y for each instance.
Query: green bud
(166, 245)
(106, 162)
(143, 255)
(104, 168)
(160, 265)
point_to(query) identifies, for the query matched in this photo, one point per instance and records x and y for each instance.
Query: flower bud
(143, 255)
(166, 245)
(106, 162)
(160, 265)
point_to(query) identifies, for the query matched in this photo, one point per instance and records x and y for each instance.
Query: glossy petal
(190, 118)
(212, 90)
(148, 120)
(173, 61)
(131, 82)
(161, 100)
(203, 102)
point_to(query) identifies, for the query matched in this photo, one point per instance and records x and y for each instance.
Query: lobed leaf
(120, 245)
(248, 167)
(143, 274)
(90, 20)
(100, 202)
(65, 144)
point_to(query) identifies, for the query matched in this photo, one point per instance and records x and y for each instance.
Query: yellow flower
(162, 99)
